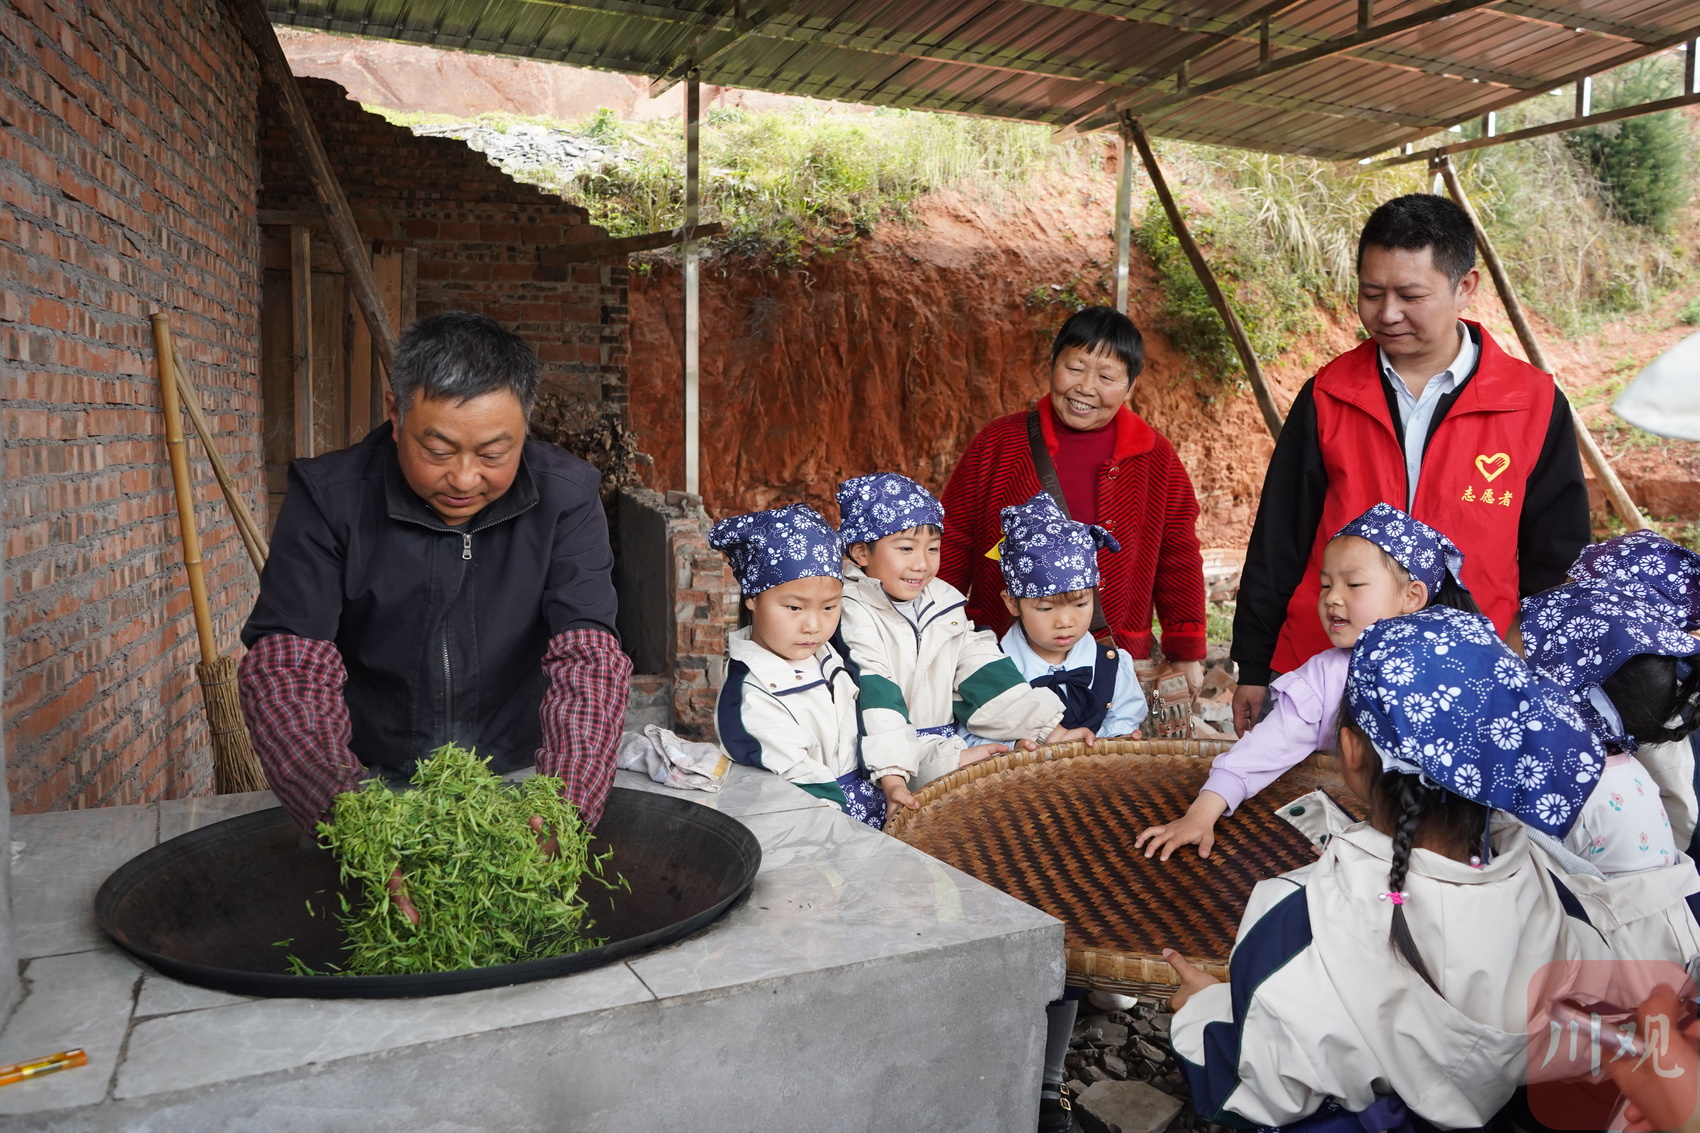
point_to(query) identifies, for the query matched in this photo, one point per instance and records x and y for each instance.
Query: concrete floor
(861, 986)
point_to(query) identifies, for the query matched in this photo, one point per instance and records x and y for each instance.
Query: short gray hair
(462, 355)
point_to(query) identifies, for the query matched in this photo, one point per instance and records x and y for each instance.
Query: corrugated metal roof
(1330, 78)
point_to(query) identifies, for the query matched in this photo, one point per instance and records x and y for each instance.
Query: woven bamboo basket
(1055, 828)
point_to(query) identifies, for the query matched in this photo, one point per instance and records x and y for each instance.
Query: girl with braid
(1387, 985)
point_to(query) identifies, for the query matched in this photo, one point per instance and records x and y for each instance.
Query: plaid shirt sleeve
(583, 713)
(291, 690)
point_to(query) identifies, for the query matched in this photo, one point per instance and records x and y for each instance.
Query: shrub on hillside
(1644, 165)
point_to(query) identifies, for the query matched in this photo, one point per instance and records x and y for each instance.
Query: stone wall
(128, 178)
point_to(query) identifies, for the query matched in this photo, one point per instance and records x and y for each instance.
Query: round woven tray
(1055, 828)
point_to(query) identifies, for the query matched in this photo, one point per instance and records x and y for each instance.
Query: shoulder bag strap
(1048, 480)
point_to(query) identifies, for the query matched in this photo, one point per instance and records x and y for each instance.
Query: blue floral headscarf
(1646, 558)
(1581, 634)
(1044, 552)
(767, 548)
(1427, 554)
(1440, 695)
(872, 507)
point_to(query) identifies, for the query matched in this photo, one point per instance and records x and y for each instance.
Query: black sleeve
(301, 585)
(1554, 525)
(1281, 539)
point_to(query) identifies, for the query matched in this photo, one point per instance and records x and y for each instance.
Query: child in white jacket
(1049, 565)
(789, 701)
(924, 667)
(1396, 974)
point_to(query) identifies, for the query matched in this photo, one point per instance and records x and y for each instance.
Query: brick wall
(478, 236)
(128, 177)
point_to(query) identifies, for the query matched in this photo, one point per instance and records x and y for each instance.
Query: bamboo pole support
(256, 28)
(1124, 219)
(235, 767)
(252, 538)
(1603, 471)
(1242, 342)
(174, 448)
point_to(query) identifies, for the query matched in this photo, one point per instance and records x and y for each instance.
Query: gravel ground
(1130, 1045)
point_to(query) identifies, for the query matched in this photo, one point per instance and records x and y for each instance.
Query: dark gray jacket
(442, 629)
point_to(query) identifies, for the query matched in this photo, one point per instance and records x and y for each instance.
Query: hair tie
(1397, 897)
(1475, 862)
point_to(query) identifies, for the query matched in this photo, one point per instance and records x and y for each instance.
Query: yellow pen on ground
(64, 1060)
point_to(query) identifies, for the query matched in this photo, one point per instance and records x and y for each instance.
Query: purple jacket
(1302, 720)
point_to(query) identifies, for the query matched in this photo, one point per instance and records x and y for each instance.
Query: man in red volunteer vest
(1429, 415)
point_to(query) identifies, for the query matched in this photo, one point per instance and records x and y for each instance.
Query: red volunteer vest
(1470, 489)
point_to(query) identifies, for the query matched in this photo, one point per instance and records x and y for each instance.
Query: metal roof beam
(1618, 60)
(696, 56)
(1559, 127)
(1556, 17)
(1362, 36)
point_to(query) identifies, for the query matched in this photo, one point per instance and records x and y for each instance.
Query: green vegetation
(1690, 315)
(468, 853)
(1644, 165)
(802, 182)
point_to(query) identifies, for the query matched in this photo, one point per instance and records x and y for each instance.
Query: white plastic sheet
(1665, 398)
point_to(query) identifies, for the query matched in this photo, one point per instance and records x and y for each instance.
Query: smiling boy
(1428, 415)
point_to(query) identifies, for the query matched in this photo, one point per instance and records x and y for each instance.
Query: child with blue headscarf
(1391, 980)
(789, 701)
(1622, 650)
(924, 667)
(1381, 565)
(1049, 564)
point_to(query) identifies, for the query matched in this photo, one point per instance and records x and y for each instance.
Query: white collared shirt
(1416, 412)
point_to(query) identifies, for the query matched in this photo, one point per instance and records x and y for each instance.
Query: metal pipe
(693, 273)
(1584, 96)
(1124, 216)
(1236, 332)
(1690, 76)
(1603, 471)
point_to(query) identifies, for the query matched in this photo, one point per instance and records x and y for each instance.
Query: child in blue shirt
(1050, 572)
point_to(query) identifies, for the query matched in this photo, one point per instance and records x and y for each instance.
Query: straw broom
(235, 767)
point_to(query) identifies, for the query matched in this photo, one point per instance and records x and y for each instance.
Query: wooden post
(1603, 472)
(693, 274)
(251, 20)
(1124, 217)
(1242, 343)
(301, 343)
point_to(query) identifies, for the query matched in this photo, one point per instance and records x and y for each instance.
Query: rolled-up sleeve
(291, 692)
(582, 714)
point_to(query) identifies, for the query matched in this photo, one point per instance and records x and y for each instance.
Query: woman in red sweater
(1112, 469)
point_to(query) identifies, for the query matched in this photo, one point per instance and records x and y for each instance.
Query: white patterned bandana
(1044, 552)
(1581, 634)
(1440, 695)
(1648, 559)
(1427, 554)
(767, 548)
(872, 507)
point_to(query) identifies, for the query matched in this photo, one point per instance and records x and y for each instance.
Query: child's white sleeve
(1128, 708)
(776, 740)
(993, 698)
(889, 743)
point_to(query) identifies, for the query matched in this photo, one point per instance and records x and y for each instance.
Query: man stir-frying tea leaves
(443, 580)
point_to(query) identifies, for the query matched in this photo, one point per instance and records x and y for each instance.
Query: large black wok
(208, 907)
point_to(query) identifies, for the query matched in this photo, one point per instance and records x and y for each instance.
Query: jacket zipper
(448, 672)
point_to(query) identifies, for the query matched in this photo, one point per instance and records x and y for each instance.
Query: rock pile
(1124, 1076)
(527, 152)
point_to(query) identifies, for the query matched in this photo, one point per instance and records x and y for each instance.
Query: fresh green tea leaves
(470, 865)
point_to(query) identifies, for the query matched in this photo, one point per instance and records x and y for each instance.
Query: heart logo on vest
(1493, 467)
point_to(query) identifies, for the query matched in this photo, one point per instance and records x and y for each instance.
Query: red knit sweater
(1145, 500)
